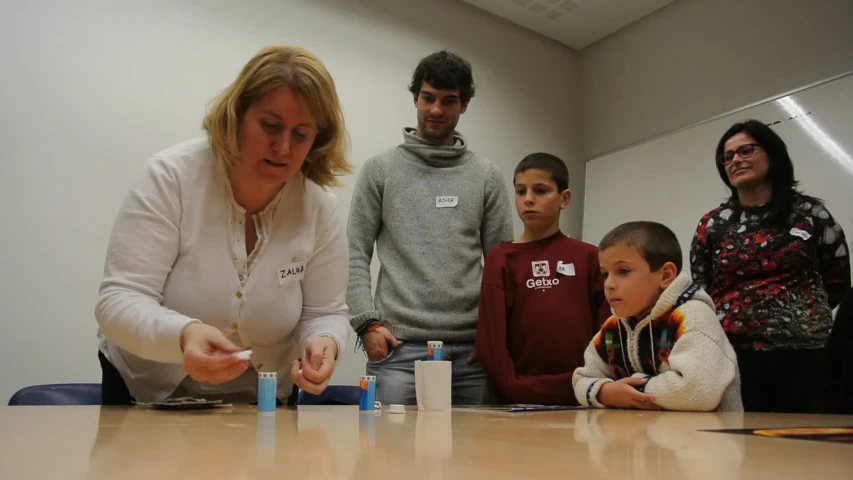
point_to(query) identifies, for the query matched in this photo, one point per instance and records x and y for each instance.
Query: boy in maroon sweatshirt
(542, 296)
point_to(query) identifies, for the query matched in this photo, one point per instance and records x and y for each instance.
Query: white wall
(695, 59)
(89, 90)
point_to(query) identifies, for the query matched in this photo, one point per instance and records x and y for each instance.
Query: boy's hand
(622, 394)
(376, 344)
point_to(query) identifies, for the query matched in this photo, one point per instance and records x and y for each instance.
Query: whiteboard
(673, 179)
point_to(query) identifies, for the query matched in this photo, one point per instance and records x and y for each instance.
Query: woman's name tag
(292, 272)
(800, 233)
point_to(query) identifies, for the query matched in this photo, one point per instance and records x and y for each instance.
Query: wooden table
(339, 443)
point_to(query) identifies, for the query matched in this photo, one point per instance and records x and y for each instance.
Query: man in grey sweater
(434, 209)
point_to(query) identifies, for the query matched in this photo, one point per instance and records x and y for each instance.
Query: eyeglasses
(744, 151)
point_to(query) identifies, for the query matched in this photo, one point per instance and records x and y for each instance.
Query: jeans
(395, 375)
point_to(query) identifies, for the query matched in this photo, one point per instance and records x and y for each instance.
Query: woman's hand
(313, 373)
(209, 356)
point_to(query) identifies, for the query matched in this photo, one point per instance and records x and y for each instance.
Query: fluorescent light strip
(834, 150)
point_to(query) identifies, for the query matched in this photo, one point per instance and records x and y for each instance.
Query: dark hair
(780, 172)
(548, 163)
(655, 242)
(444, 71)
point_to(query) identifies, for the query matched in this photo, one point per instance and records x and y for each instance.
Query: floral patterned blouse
(774, 287)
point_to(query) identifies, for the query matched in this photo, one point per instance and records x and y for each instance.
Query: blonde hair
(305, 74)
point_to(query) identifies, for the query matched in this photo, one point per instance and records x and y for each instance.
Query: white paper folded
(432, 385)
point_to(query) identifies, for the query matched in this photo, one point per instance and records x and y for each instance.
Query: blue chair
(58, 394)
(332, 395)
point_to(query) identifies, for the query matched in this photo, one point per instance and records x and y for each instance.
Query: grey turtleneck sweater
(434, 212)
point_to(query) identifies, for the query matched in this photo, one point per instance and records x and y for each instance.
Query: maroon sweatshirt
(540, 305)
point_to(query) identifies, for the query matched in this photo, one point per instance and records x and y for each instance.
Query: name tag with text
(800, 233)
(446, 202)
(567, 269)
(290, 273)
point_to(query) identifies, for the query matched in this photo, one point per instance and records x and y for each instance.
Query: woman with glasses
(776, 264)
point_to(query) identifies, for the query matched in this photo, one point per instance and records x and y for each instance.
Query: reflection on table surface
(341, 443)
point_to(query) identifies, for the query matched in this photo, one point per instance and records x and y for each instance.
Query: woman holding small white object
(233, 243)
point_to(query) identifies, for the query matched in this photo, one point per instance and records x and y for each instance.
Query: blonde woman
(233, 242)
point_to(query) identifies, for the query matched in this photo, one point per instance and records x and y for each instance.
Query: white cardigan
(174, 257)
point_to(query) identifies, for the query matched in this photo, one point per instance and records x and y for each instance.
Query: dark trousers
(778, 381)
(114, 391)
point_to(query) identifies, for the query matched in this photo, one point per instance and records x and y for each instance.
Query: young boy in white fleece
(663, 348)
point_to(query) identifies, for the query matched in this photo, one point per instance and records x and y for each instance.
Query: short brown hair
(546, 162)
(305, 74)
(656, 243)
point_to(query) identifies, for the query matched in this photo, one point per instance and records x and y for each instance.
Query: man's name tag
(290, 273)
(446, 202)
